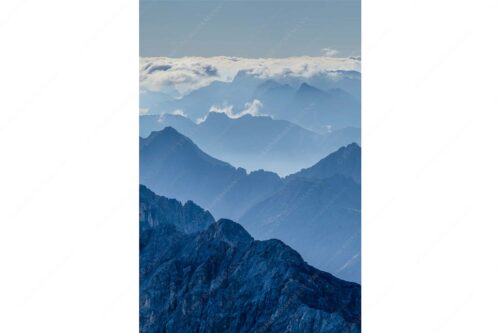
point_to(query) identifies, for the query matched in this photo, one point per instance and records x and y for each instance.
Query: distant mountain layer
(322, 104)
(221, 280)
(319, 110)
(320, 218)
(172, 165)
(280, 145)
(306, 210)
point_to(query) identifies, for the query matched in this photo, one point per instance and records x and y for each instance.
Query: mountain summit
(172, 165)
(345, 161)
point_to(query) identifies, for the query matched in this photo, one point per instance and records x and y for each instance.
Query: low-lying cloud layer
(178, 76)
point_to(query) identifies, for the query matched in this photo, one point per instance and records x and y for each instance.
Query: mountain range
(311, 107)
(214, 277)
(280, 145)
(322, 104)
(320, 218)
(306, 210)
(173, 166)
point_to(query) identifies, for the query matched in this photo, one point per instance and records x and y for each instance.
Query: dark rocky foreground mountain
(316, 211)
(281, 146)
(220, 279)
(155, 210)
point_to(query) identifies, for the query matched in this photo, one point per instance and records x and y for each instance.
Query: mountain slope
(281, 146)
(320, 111)
(345, 161)
(320, 218)
(172, 165)
(155, 210)
(154, 123)
(307, 211)
(222, 280)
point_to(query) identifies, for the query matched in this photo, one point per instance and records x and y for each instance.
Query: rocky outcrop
(155, 210)
(222, 280)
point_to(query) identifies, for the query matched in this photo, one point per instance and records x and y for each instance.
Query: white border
(69, 169)
(430, 166)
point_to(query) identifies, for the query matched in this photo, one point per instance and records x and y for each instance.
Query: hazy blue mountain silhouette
(304, 209)
(309, 106)
(343, 137)
(320, 218)
(321, 111)
(323, 102)
(274, 96)
(346, 161)
(153, 123)
(348, 81)
(317, 212)
(172, 165)
(220, 279)
(255, 142)
(197, 103)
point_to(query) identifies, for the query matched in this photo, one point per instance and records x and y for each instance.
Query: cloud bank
(179, 76)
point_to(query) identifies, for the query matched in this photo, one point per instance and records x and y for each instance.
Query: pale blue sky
(242, 28)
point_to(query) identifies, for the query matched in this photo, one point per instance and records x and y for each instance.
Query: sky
(251, 29)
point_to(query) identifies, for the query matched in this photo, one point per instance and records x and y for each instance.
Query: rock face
(221, 280)
(155, 210)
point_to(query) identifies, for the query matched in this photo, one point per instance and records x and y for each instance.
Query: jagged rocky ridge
(155, 210)
(221, 280)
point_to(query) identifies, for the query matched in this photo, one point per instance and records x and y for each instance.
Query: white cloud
(143, 111)
(162, 117)
(168, 76)
(252, 108)
(179, 112)
(329, 52)
(226, 109)
(179, 76)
